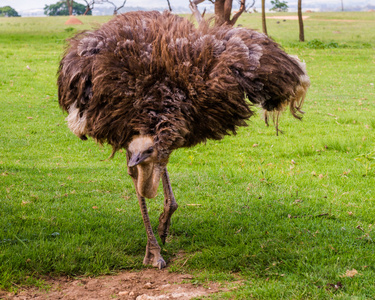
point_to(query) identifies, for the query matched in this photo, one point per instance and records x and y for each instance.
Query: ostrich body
(152, 82)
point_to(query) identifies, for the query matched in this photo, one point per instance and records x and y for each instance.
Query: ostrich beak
(137, 158)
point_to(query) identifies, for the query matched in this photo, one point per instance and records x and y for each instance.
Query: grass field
(289, 214)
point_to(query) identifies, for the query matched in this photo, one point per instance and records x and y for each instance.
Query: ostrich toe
(153, 257)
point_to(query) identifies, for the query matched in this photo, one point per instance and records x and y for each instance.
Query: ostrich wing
(270, 77)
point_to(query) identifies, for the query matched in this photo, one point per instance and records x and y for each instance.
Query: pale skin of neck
(149, 171)
(148, 179)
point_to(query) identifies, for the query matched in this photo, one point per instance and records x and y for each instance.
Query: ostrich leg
(170, 206)
(153, 256)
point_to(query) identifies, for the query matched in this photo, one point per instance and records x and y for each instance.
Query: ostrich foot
(165, 220)
(153, 257)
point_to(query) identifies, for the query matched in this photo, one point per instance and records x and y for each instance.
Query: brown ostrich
(152, 82)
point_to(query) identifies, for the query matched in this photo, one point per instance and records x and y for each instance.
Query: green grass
(287, 229)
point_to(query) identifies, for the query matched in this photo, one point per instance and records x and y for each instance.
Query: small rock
(147, 297)
(165, 286)
(123, 293)
(148, 285)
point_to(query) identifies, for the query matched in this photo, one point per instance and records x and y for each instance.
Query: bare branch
(204, 12)
(116, 8)
(249, 6)
(194, 9)
(169, 5)
(239, 12)
(90, 5)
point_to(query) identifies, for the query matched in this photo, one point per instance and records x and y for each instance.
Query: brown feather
(151, 73)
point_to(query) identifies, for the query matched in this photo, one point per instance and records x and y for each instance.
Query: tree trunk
(194, 8)
(70, 6)
(264, 25)
(220, 12)
(300, 21)
(87, 10)
(223, 11)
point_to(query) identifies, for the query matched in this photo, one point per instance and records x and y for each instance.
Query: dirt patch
(342, 20)
(287, 17)
(337, 20)
(149, 284)
(73, 21)
(306, 17)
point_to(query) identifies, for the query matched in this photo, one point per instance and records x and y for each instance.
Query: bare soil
(148, 284)
(306, 17)
(287, 17)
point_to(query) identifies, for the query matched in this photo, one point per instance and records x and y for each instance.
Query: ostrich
(151, 82)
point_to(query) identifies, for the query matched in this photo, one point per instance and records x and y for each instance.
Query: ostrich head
(145, 165)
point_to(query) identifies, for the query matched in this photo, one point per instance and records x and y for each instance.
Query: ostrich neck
(148, 180)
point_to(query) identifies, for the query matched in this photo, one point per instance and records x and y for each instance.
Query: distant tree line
(62, 8)
(223, 10)
(7, 11)
(279, 5)
(70, 7)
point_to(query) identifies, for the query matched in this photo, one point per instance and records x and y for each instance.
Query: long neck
(148, 180)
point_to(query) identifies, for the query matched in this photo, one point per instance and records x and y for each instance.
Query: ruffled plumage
(151, 73)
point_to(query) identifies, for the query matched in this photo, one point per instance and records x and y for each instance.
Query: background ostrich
(152, 82)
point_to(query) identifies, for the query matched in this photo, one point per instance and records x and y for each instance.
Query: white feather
(76, 123)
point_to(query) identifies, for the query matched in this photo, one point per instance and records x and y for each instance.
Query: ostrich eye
(149, 150)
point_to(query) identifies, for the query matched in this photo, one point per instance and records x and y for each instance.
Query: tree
(223, 11)
(7, 11)
(90, 5)
(264, 25)
(116, 8)
(300, 22)
(279, 5)
(70, 3)
(61, 9)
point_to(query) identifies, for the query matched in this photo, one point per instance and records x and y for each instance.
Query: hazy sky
(31, 4)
